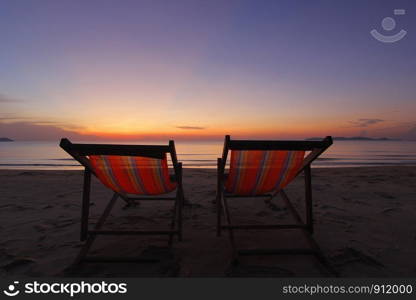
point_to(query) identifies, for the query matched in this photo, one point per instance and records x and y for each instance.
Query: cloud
(23, 130)
(11, 117)
(191, 127)
(51, 131)
(14, 118)
(6, 99)
(365, 122)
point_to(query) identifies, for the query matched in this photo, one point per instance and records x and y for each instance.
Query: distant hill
(4, 139)
(354, 138)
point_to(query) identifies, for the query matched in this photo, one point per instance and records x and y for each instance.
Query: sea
(42, 155)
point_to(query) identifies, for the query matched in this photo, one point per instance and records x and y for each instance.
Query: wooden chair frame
(316, 148)
(79, 153)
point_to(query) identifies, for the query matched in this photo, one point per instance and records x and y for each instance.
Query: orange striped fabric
(255, 172)
(133, 174)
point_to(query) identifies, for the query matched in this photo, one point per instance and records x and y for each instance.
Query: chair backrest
(127, 169)
(261, 167)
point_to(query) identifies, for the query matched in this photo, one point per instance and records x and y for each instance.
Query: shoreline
(80, 168)
(364, 223)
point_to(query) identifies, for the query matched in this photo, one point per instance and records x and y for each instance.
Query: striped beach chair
(264, 169)
(134, 173)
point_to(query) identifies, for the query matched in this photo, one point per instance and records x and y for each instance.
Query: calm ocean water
(48, 155)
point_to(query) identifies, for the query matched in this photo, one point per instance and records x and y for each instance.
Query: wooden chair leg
(181, 199)
(180, 221)
(230, 230)
(90, 238)
(219, 195)
(309, 238)
(85, 204)
(308, 198)
(219, 211)
(173, 222)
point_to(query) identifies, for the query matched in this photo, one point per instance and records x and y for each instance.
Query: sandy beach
(364, 223)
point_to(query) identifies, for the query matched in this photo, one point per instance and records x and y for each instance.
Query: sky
(126, 70)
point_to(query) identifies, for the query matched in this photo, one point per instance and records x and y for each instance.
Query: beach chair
(264, 169)
(134, 173)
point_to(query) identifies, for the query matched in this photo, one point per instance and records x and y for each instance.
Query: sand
(364, 223)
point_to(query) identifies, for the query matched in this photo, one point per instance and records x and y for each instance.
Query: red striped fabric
(255, 172)
(133, 174)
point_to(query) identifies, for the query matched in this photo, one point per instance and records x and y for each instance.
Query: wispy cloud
(365, 122)
(11, 117)
(191, 127)
(7, 99)
(27, 130)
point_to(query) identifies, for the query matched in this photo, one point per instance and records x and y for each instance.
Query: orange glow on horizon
(300, 132)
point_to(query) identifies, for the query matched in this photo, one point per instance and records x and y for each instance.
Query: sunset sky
(202, 69)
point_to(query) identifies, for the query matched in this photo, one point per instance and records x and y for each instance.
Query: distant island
(354, 138)
(4, 139)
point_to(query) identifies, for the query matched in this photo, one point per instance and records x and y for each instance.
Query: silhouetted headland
(355, 138)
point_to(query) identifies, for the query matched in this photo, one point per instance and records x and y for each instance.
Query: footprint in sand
(17, 263)
(346, 199)
(351, 255)
(257, 271)
(26, 174)
(40, 227)
(385, 195)
(390, 210)
(330, 207)
(262, 214)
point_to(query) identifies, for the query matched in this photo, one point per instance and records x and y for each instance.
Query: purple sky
(200, 69)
